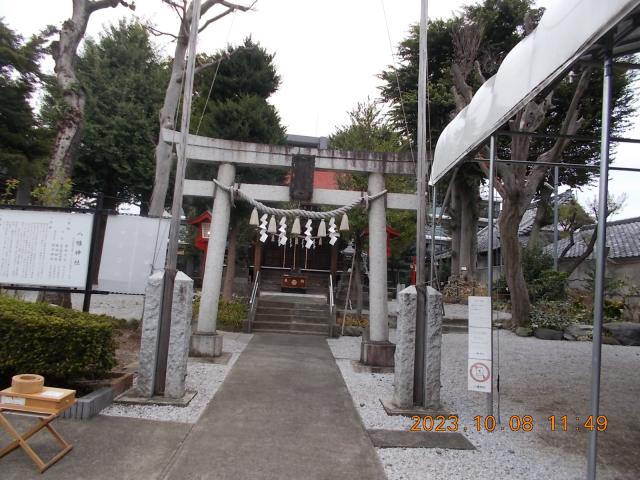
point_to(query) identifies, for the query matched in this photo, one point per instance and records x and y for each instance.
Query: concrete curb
(90, 405)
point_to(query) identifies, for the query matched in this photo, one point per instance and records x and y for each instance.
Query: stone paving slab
(404, 439)
(283, 412)
(106, 448)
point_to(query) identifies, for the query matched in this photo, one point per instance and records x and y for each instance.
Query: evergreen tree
(22, 146)
(124, 79)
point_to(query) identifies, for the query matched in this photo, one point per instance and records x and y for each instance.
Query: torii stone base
(206, 344)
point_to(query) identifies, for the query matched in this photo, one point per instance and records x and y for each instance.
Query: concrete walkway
(283, 412)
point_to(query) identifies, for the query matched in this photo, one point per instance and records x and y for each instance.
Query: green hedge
(61, 344)
(230, 314)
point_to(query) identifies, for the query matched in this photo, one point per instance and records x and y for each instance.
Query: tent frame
(600, 250)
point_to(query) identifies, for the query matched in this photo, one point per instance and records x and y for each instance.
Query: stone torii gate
(205, 341)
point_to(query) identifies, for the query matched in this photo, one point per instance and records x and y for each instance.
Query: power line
(395, 71)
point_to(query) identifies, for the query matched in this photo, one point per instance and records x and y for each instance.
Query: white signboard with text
(479, 368)
(44, 248)
(133, 248)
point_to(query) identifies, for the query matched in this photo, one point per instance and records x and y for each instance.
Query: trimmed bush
(61, 344)
(230, 314)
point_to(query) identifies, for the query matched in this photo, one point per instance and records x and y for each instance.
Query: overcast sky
(328, 53)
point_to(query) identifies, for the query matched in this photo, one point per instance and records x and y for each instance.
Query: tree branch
(476, 64)
(570, 125)
(157, 33)
(216, 18)
(177, 8)
(100, 4)
(571, 118)
(231, 7)
(586, 253)
(460, 83)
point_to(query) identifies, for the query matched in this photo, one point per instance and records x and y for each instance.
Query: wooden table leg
(21, 441)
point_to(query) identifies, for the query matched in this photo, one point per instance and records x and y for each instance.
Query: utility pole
(421, 242)
(176, 208)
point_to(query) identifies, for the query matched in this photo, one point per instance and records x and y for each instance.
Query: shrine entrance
(315, 234)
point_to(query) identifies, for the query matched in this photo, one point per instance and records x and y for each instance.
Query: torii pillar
(376, 350)
(205, 341)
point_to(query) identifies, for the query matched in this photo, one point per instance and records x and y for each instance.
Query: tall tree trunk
(164, 155)
(230, 275)
(509, 222)
(468, 229)
(69, 128)
(455, 214)
(23, 194)
(164, 151)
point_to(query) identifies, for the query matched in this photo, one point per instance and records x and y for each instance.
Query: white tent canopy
(566, 31)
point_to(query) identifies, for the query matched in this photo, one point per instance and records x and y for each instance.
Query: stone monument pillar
(376, 350)
(178, 339)
(205, 341)
(405, 351)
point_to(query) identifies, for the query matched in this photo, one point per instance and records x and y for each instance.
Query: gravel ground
(127, 307)
(204, 378)
(538, 378)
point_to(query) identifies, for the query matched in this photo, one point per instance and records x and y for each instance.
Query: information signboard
(43, 248)
(133, 248)
(479, 366)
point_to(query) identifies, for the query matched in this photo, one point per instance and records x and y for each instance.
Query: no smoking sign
(479, 375)
(480, 345)
(480, 372)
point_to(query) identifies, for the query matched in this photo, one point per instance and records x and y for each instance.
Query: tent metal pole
(556, 205)
(432, 270)
(492, 159)
(421, 240)
(601, 242)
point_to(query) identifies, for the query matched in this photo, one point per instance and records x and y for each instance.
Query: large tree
(22, 148)
(164, 155)
(370, 131)
(400, 89)
(123, 79)
(479, 40)
(71, 123)
(230, 102)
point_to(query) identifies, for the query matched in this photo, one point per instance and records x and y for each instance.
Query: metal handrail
(332, 308)
(253, 303)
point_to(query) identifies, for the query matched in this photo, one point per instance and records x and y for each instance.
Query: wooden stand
(46, 409)
(293, 283)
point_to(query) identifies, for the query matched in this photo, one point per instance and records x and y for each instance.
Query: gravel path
(538, 378)
(204, 378)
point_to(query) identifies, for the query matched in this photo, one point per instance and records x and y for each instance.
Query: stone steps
(289, 327)
(291, 313)
(319, 319)
(291, 332)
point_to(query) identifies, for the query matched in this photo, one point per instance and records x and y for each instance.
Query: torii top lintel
(214, 150)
